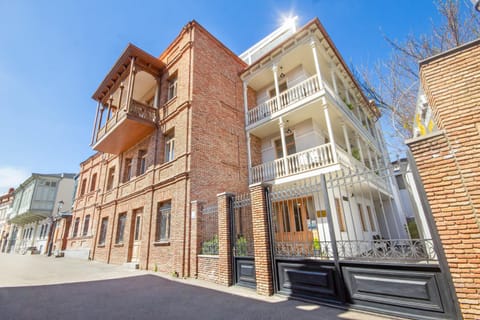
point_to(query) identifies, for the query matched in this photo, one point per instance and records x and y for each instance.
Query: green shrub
(210, 246)
(241, 245)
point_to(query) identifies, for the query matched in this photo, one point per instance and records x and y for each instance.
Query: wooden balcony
(125, 128)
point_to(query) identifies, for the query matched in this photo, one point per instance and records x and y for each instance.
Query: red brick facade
(206, 119)
(448, 162)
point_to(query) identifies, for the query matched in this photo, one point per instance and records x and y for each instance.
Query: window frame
(277, 145)
(127, 170)
(341, 219)
(83, 187)
(121, 222)
(86, 225)
(162, 232)
(76, 225)
(172, 84)
(103, 231)
(169, 137)
(141, 162)
(110, 178)
(93, 182)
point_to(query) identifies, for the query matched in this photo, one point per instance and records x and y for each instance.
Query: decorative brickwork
(448, 163)
(261, 239)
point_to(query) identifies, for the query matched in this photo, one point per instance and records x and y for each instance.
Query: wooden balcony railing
(135, 109)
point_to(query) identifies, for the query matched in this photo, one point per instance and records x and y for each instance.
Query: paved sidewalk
(37, 287)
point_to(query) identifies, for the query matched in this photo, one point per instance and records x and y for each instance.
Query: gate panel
(242, 241)
(358, 236)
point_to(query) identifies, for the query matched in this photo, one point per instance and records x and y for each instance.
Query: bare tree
(393, 83)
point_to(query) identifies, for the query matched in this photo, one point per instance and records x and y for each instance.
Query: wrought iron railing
(209, 230)
(314, 158)
(400, 250)
(296, 93)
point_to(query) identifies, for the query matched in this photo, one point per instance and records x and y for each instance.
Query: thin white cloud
(11, 177)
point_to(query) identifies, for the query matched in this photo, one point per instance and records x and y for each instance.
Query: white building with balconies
(34, 205)
(306, 116)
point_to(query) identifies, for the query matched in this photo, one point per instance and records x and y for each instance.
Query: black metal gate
(359, 237)
(242, 241)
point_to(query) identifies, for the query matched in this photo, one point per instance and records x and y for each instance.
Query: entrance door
(292, 217)
(136, 240)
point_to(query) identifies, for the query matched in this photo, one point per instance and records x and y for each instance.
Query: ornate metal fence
(209, 230)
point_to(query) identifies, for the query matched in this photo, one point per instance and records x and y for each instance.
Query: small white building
(36, 202)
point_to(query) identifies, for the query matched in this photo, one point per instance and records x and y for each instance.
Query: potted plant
(317, 250)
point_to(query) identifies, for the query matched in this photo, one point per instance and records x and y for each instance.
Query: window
(86, 224)
(141, 162)
(127, 174)
(93, 182)
(75, 227)
(138, 221)
(172, 87)
(362, 219)
(103, 231)
(370, 218)
(111, 177)
(290, 144)
(341, 220)
(163, 222)
(84, 187)
(121, 227)
(170, 146)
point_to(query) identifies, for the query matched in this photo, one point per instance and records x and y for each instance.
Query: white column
(245, 101)
(359, 146)
(277, 89)
(317, 64)
(330, 132)
(102, 109)
(249, 157)
(334, 78)
(284, 144)
(369, 155)
(347, 140)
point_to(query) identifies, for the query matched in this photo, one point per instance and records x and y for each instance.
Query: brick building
(266, 169)
(447, 155)
(169, 130)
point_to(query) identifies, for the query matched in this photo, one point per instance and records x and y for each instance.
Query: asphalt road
(137, 295)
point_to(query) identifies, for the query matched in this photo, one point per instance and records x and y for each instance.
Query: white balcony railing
(301, 91)
(310, 159)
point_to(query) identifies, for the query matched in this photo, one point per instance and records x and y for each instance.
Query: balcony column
(249, 151)
(102, 109)
(157, 93)
(131, 83)
(330, 132)
(109, 114)
(359, 146)
(119, 101)
(95, 123)
(347, 140)
(284, 144)
(334, 79)
(369, 155)
(277, 88)
(313, 44)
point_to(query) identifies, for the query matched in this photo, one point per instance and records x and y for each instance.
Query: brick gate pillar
(261, 240)
(195, 211)
(224, 243)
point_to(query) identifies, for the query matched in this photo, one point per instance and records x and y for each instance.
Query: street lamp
(54, 219)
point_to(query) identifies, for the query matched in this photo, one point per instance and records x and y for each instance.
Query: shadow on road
(146, 297)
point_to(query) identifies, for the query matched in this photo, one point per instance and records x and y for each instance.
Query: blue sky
(54, 54)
